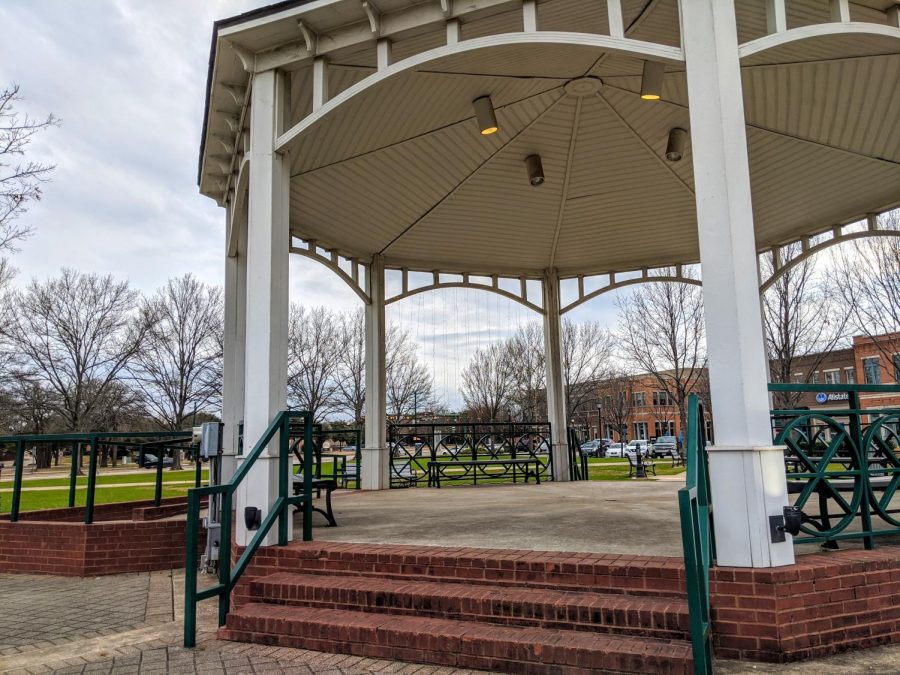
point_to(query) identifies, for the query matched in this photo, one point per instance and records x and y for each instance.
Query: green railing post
(198, 467)
(73, 472)
(862, 453)
(92, 483)
(190, 570)
(17, 481)
(225, 557)
(307, 478)
(157, 494)
(358, 456)
(284, 471)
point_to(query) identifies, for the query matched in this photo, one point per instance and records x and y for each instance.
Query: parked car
(664, 446)
(636, 446)
(594, 448)
(615, 450)
(151, 461)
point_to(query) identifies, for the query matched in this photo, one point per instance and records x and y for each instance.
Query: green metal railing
(94, 442)
(846, 458)
(229, 575)
(578, 461)
(697, 536)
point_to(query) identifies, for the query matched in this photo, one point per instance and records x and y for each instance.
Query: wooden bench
(649, 465)
(438, 470)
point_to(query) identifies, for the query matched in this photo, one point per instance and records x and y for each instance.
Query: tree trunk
(176, 459)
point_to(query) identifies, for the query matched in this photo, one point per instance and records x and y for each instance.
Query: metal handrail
(228, 576)
(697, 538)
(94, 439)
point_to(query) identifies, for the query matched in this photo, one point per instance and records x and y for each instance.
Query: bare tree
(587, 359)
(616, 396)
(488, 381)
(313, 350)
(800, 320)
(351, 368)
(665, 336)
(176, 371)
(867, 282)
(525, 356)
(20, 181)
(408, 382)
(77, 334)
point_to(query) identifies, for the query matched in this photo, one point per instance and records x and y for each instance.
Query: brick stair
(500, 611)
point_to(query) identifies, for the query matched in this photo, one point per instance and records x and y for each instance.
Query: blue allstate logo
(821, 397)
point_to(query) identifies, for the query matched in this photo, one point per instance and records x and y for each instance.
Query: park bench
(318, 484)
(649, 466)
(437, 471)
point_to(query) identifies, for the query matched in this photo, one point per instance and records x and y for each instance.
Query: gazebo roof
(394, 163)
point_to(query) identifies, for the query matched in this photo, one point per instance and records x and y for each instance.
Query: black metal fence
(843, 464)
(414, 447)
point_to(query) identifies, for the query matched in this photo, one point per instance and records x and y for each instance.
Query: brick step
(601, 573)
(445, 642)
(572, 610)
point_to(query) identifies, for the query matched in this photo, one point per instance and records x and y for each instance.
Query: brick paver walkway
(131, 624)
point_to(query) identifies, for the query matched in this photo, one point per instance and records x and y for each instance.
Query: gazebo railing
(844, 460)
(414, 446)
(697, 536)
(578, 461)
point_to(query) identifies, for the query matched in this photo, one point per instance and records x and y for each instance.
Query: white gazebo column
(556, 383)
(235, 333)
(376, 459)
(265, 371)
(746, 473)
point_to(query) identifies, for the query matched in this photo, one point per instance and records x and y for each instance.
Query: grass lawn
(146, 476)
(54, 499)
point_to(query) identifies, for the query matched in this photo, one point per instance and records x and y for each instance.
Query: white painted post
(556, 386)
(320, 82)
(265, 372)
(375, 469)
(747, 474)
(233, 350)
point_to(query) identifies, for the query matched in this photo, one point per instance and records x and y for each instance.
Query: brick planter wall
(56, 541)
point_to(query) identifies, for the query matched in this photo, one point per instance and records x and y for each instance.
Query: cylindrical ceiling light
(675, 146)
(651, 80)
(484, 114)
(535, 170)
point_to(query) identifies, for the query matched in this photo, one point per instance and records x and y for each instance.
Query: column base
(561, 462)
(375, 471)
(748, 485)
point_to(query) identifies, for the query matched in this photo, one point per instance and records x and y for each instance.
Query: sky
(127, 80)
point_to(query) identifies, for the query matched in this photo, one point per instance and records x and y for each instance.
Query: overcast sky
(127, 78)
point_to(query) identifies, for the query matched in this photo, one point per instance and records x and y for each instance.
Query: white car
(615, 450)
(636, 446)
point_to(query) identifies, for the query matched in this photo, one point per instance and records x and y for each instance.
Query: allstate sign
(821, 397)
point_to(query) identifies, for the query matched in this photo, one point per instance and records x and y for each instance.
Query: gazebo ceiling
(400, 167)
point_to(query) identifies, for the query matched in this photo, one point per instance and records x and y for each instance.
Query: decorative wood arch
(355, 279)
(782, 37)
(467, 282)
(613, 284)
(809, 248)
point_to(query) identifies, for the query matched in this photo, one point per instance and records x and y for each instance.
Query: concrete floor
(603, 517)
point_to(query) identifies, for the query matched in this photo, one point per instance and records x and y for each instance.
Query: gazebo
(512, 145)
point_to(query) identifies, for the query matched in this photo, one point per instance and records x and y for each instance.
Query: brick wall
(49, 542)
(824, 604)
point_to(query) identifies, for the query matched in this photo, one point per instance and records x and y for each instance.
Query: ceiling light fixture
(651, 80)
(535, 170)
(484, 114)
(675, 146)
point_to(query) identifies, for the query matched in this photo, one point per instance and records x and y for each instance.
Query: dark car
(151, 461)
(594, 448)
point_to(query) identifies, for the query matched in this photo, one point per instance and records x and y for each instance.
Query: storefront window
(871, 370)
